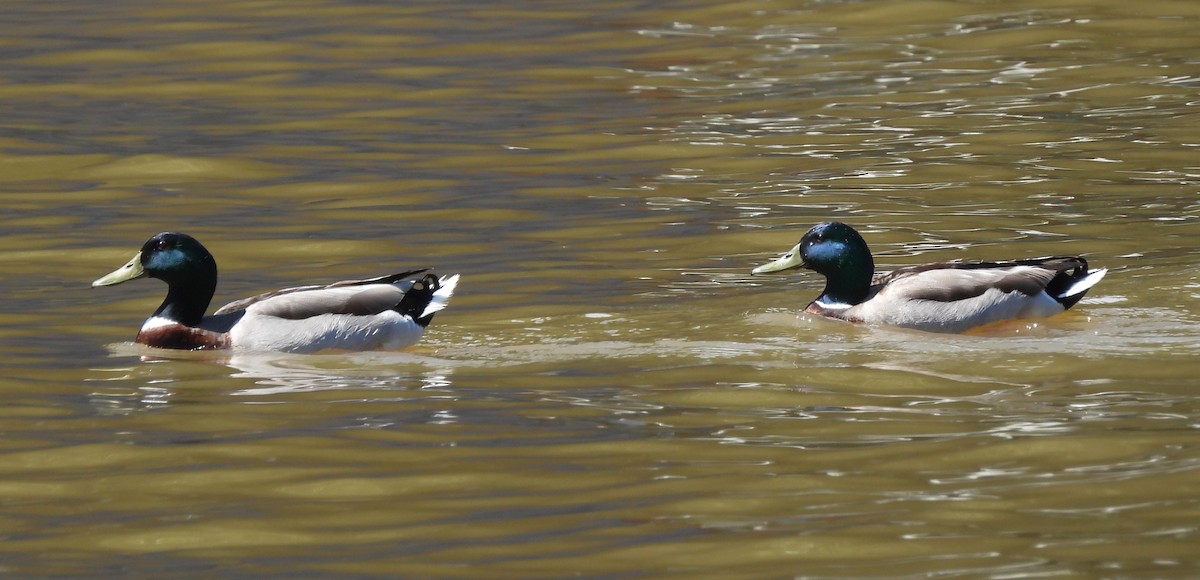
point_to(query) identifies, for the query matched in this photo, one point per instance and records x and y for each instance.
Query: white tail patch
(441, 297)
(1081, 285)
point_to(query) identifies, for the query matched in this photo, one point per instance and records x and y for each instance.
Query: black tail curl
(417, 298)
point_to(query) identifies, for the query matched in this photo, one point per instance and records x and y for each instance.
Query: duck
(386, 312)
(948, 297)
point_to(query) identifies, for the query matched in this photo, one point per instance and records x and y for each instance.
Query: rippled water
(610, 394)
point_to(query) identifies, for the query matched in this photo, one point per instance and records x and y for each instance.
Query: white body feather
(895, 305)
(992, 306)
(259, 330)
(388, 329)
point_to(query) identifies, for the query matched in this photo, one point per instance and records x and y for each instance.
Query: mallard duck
(378, 313)
(945, 297)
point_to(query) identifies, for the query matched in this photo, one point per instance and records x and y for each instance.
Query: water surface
(610, 394)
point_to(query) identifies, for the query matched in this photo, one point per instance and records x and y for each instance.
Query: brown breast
(178, 336)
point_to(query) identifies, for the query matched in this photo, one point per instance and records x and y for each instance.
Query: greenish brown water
(610, 394)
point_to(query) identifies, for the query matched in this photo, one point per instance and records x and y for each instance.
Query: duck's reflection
(158, 378)
(276, 374)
